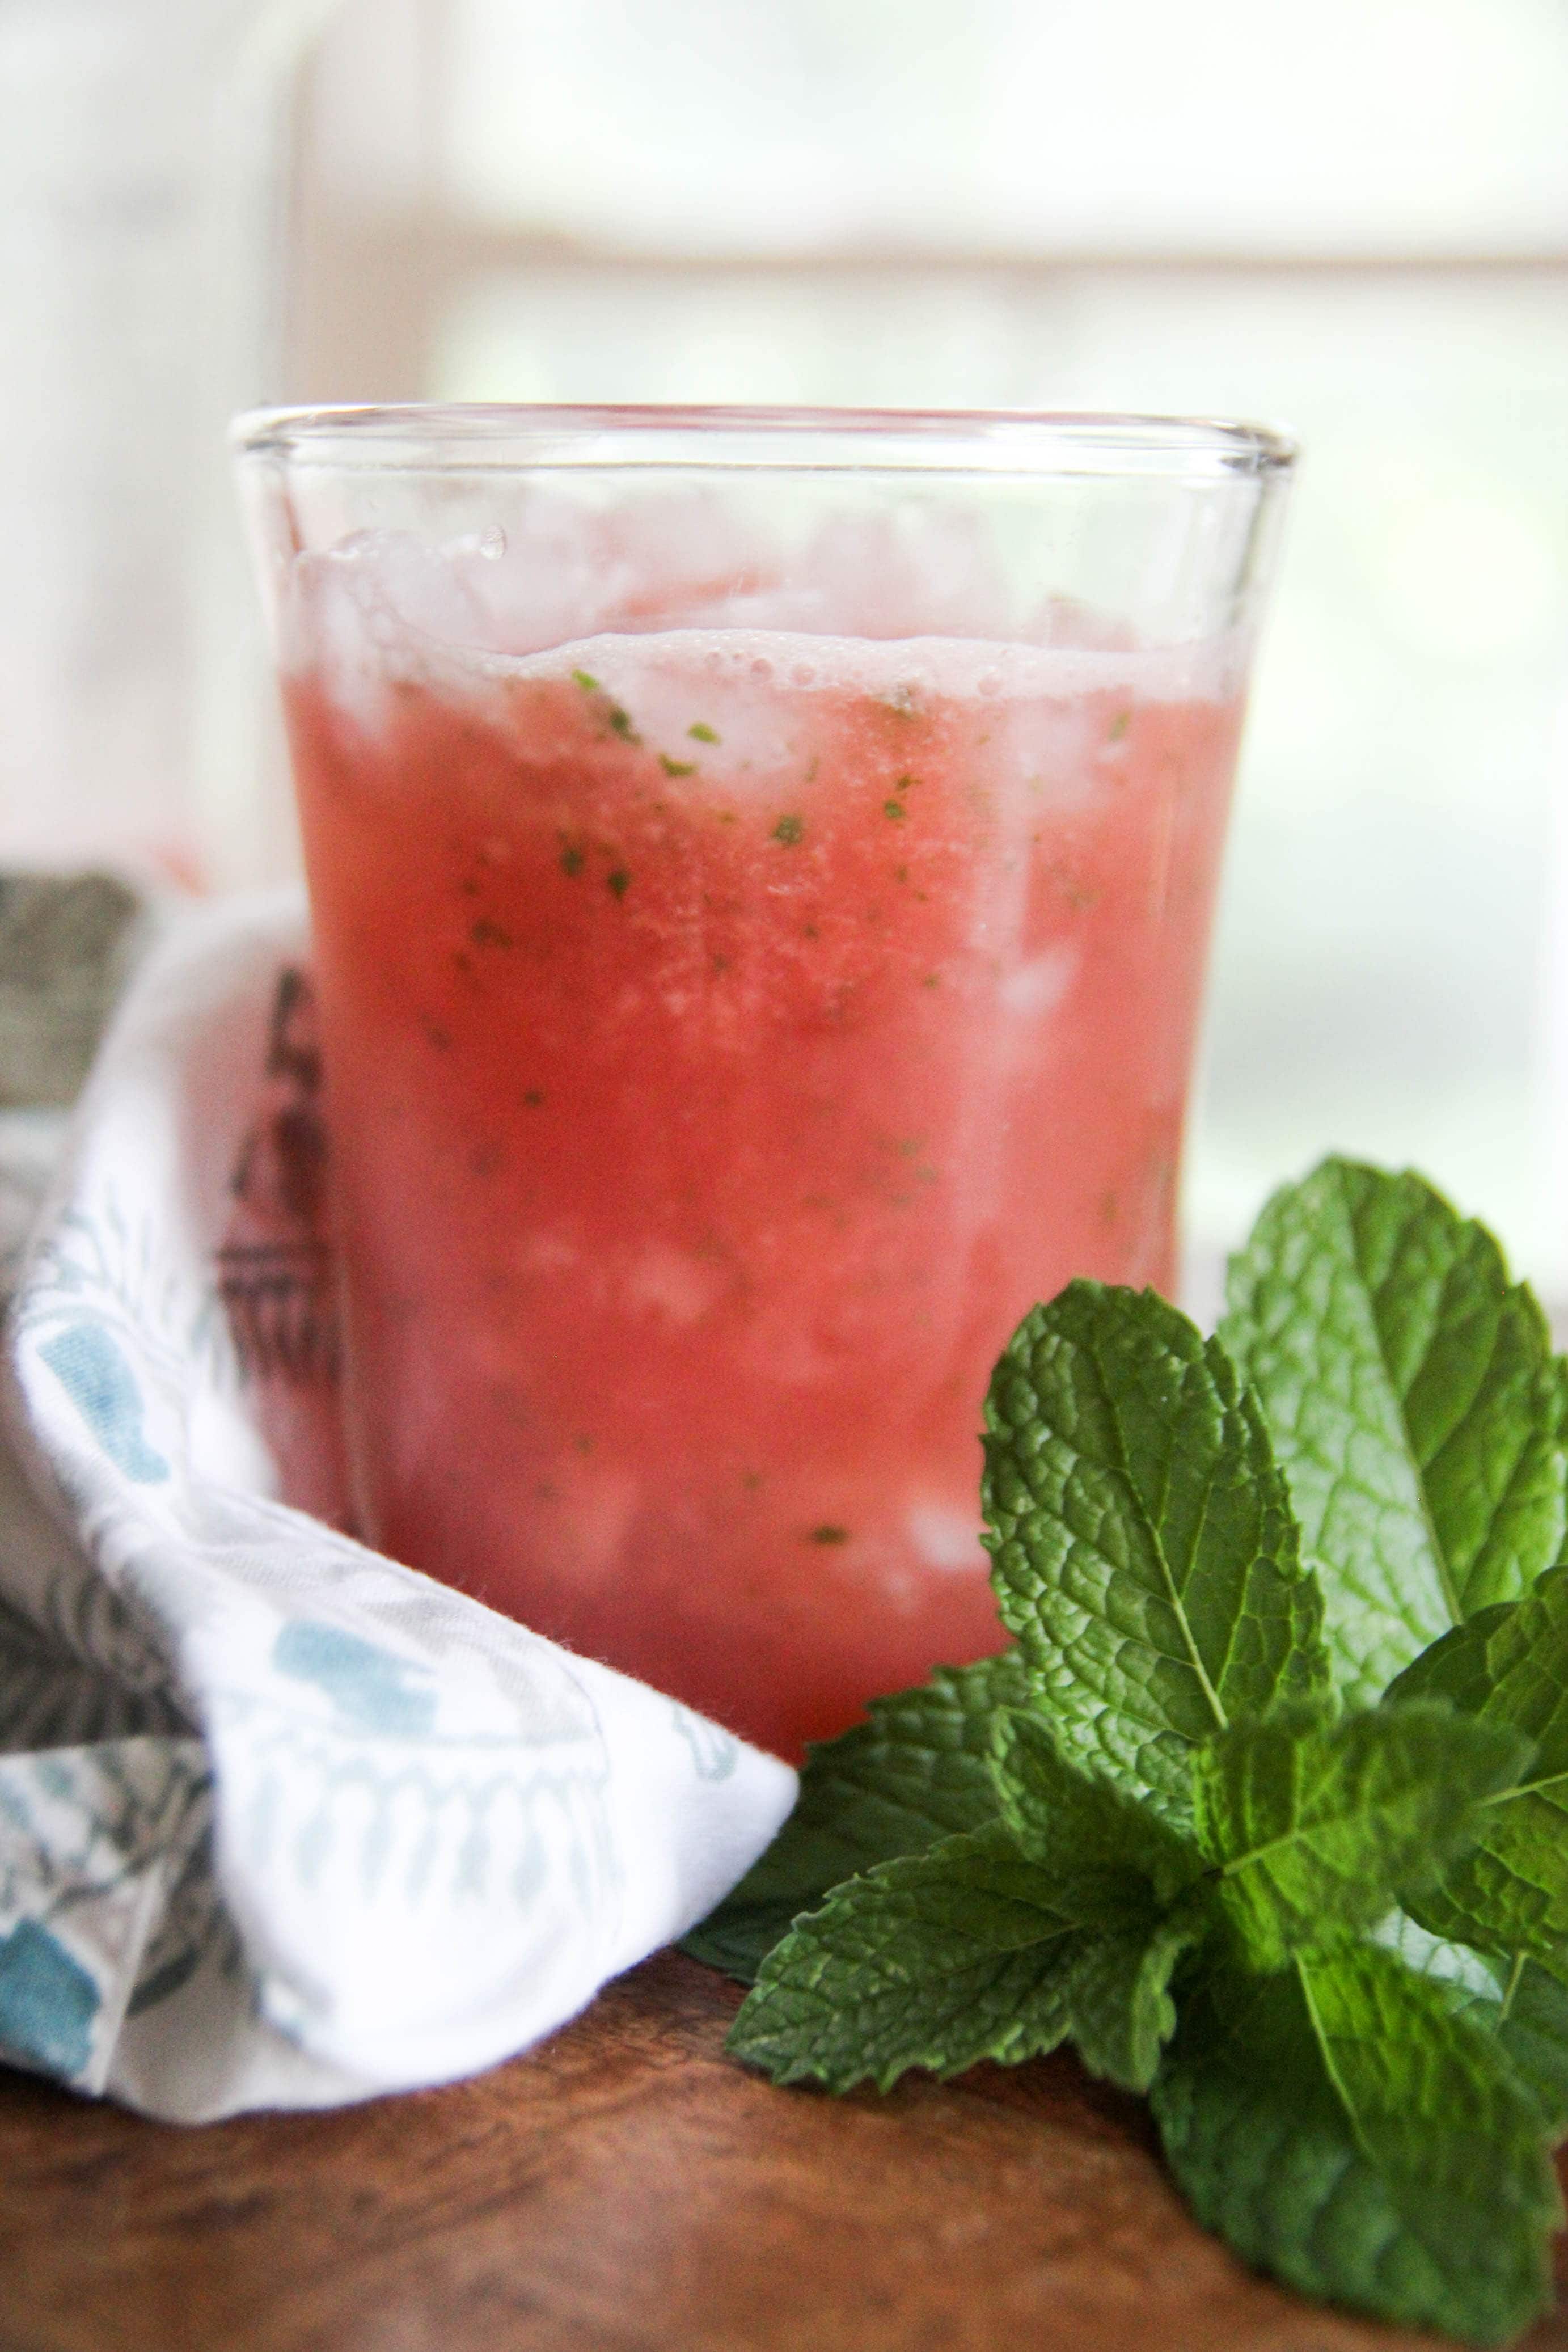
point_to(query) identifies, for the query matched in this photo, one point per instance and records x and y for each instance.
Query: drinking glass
(761, 865)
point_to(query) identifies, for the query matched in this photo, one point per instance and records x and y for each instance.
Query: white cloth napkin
(282, 1824)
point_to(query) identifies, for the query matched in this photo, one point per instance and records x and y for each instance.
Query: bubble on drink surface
(491, 544)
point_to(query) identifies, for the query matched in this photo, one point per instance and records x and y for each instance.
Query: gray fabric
(67, 945)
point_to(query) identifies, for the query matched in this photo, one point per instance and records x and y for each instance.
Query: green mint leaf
(1532, 2025)
(1144, 1551)
(1454, 1668)
(1102, 1855)
(934, 1960)
(956, 1954)
(1315, 1828)
(1525, 2003)
(918, 1770)
(1110, 1864)
(1120, 2012)
(1508, 1668)
(1342, 2127)
(1414, 1407)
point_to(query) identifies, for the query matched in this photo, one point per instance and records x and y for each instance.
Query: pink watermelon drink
(730, 1030)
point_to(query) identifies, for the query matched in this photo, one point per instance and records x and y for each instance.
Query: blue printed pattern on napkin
(91, 1366)
(47, 2002)
(94, 1843)
(371, 1689)
(281, 1823)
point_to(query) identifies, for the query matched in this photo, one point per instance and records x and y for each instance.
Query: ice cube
(1037, 987)
(945, 1538)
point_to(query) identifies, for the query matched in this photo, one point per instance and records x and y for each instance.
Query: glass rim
(417, 436)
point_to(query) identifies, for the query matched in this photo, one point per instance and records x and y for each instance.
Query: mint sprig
(1267, 1811)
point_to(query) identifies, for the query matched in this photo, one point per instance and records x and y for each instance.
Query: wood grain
(628, 2189)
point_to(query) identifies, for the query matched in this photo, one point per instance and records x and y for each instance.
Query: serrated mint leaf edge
(795, 1968)
(1261, 1260)
(826, 1840)
(1468, 1901)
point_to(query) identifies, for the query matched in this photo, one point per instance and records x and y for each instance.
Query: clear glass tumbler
(761, 865)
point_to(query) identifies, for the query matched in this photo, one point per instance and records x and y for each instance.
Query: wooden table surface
(628, 2189)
